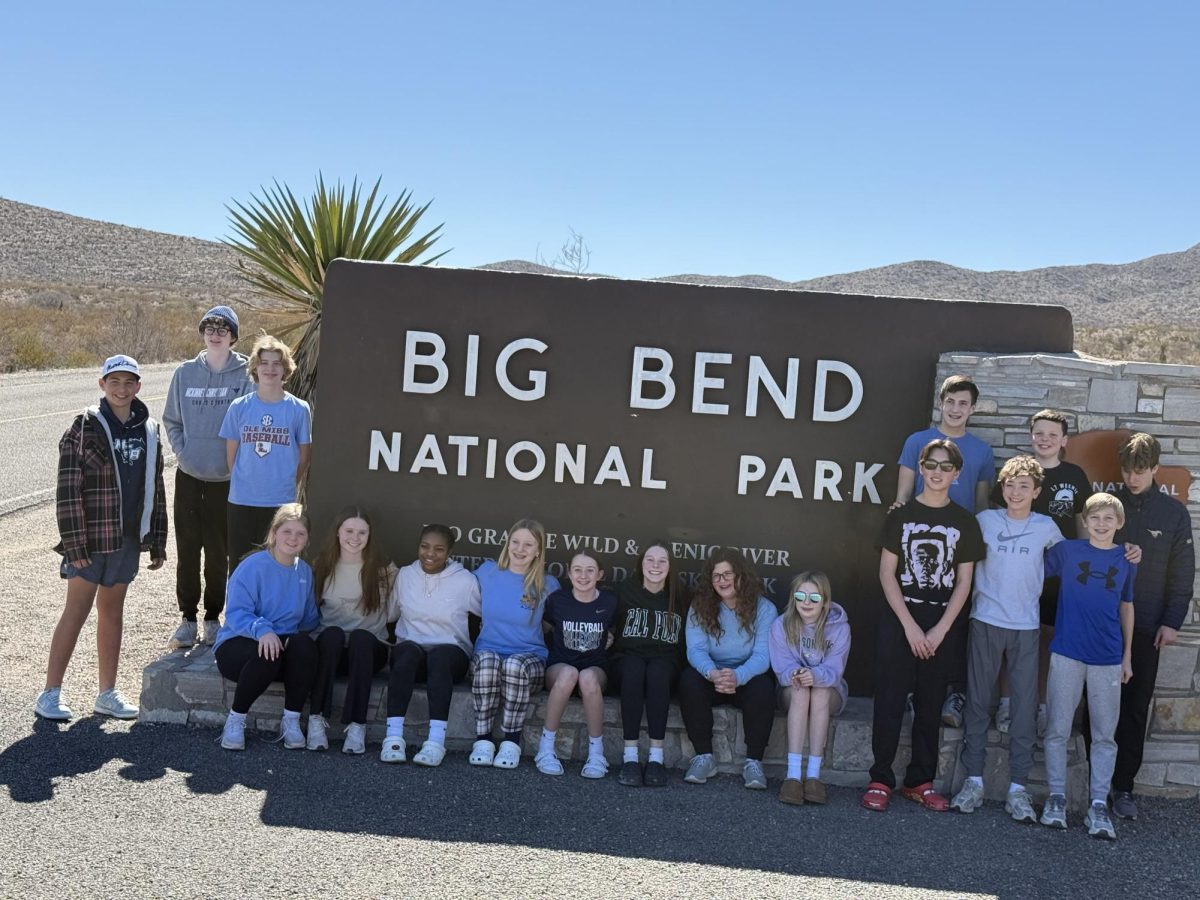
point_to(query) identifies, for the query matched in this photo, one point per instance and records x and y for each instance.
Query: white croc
(431, 754)
(508, 756)
(595, 767)
(393, 750)
(483, 753)
(548, 763)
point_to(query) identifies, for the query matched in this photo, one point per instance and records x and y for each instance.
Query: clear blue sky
(788, 139)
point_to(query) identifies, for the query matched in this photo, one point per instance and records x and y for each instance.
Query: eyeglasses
(802, 597)
(210, 330)
(722, 576)
(945, 465)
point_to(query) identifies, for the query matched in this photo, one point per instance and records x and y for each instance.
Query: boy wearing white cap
(200, 393)
(111, 506)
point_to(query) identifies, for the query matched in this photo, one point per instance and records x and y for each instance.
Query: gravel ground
(100, 807)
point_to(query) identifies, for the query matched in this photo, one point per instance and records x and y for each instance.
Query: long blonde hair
(535, 576)
(793, 625)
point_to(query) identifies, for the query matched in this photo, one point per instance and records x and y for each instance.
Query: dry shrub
(1176, 344)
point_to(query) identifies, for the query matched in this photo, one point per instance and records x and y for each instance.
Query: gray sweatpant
(988, 645)
(1063, 690)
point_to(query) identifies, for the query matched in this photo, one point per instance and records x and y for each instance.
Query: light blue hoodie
(265, 595)
(746, 654)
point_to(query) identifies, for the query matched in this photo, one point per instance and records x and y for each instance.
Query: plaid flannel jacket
(89, 499)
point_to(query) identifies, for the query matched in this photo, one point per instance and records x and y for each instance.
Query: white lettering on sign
(826, 480)
(427, 350)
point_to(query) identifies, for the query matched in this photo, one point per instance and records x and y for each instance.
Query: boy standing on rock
(200, 393)
(111, 505)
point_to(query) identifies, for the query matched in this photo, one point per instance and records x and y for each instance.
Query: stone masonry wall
(1101, 395)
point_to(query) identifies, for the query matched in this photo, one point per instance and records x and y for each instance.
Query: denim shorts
(108, 569)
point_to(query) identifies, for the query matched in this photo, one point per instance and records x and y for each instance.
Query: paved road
(35, 409)
(101, 808)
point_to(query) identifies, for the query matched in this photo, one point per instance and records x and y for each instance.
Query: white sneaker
(508, 756)
(317, 737)
(393, 750)
(113, 703)
(356, 739)
(1020, 807)
(548, 763)
(483, 753)
(184, 636)
(1003, 718)
(969, 798)
(50, 705)
(234, 735)
(208, 631)
(430, 754)
(290, 733)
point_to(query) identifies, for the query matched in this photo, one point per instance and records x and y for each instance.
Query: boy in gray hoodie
(200, 393)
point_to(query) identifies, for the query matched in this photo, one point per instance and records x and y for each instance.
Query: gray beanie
(224, 313)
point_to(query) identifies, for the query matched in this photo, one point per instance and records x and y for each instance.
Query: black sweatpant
(755, 698)
(1136, 695)
(358, 659)
(644, 684)
(200, 526)
(440, 667)
(238, 660)
(898, 672)
(246, 530)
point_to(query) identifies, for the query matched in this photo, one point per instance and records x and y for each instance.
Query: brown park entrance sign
(619, 411)
(1096, 453)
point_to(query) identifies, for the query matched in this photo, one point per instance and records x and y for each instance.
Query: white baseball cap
(120, 363)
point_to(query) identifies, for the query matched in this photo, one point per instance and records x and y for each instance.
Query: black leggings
(441, 667)
(359, 661)
(644, 684)
(238, 660)
(755, 698)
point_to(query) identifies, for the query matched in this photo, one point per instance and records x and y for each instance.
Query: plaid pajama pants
(511, 679)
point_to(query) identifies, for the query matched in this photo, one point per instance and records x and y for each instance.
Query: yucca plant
(286, 245)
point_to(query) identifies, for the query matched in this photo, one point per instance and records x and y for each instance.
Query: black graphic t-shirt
(579, 631)
(1064, 493)
(929, 542)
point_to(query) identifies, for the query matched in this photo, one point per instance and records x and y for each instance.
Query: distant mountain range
(42, 249)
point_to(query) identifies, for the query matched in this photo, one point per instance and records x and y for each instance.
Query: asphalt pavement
(105, 808)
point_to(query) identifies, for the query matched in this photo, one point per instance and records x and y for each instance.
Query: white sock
(630, 754)
(814, 767)
(795, 766)
(656, 755)
(437, 731)
(395, 726)
(546, 744)
(237, 717)
(595, 745)
(976, 780)
(1013, 786)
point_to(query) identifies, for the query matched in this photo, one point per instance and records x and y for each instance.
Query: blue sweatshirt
(509, 626)
(746, 654)
(264, 596)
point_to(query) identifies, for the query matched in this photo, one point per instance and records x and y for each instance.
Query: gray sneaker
(753, 776)
(184, 636)
(1099, 823)
(1123, 805)
(113, 703)
(1020, 807)
(969, 798)
(702, 768)
(208, 631)
(1054, 813)
(952, 710)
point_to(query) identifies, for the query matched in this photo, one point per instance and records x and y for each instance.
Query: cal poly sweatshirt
(196, 403)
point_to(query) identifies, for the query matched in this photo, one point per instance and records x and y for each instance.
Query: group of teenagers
(1066, 589)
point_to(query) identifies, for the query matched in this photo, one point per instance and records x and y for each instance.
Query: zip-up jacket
(1161, 526)
(89, 497)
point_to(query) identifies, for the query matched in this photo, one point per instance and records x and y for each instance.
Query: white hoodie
(433, 608)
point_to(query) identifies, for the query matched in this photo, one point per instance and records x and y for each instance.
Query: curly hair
(1022, 465)
(706, 604)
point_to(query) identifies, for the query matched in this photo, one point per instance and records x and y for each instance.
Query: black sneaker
(630, 775)
(657, 775)
(1123, 805)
